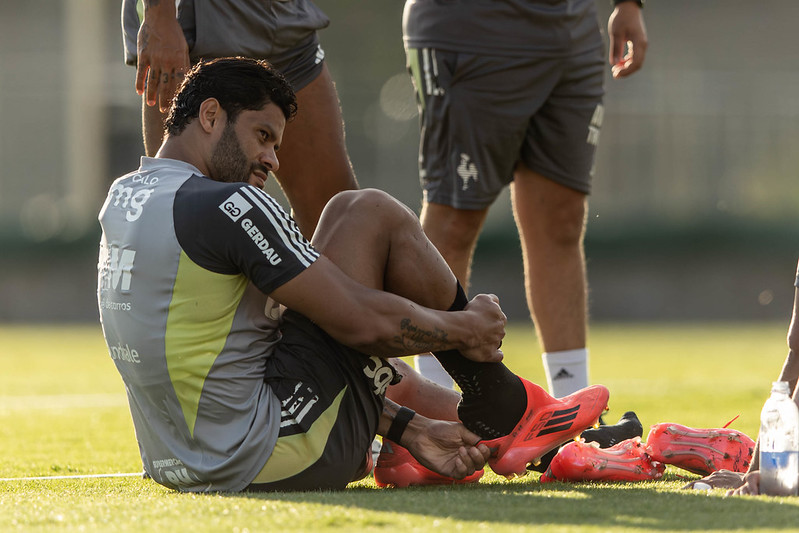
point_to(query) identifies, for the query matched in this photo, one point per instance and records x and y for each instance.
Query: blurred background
(693, 216)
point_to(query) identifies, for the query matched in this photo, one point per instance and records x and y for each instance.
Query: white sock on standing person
(566, 371)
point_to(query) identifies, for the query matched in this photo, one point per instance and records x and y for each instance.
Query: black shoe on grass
(606, 436)
(627, 427)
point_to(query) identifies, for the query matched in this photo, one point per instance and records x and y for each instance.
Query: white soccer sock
(428, 366)
(566, 370)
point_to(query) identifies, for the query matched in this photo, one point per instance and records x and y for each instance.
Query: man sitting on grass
(228, 391)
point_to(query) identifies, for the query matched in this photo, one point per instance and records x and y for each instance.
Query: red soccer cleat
(396, 467)
(547, 422)
(700, 451)
(586, 461)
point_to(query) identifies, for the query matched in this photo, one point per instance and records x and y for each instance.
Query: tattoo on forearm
(412, 337)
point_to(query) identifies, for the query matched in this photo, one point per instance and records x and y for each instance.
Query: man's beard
(228, 160)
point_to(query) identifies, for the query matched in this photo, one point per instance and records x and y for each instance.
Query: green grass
(63, 412)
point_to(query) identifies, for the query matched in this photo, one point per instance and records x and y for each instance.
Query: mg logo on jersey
(129, 199)
(116, 268)
(235, 206)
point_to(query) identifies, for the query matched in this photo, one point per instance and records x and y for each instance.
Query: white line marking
(83, 476)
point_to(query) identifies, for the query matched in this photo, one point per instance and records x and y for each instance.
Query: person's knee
(451, 229)
(564, 221)
(374, 205)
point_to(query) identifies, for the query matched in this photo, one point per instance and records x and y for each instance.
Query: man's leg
(152, 128)
(314, 164)
(380, 243)
(423, 395)
(454, 233)
(551, 222)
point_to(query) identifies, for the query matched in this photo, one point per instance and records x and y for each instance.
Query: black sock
(493, 398)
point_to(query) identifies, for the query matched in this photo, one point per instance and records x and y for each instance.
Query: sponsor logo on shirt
(130, 199)
(116, 268)
(235, 206)
(124, 352)
(260, 241)
(173, 471)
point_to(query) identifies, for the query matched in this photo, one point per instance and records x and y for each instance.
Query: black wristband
(398, 425)
(639, 2)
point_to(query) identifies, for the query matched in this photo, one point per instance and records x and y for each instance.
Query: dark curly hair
(238, 83)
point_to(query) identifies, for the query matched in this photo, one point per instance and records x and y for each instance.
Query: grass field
(63, 412)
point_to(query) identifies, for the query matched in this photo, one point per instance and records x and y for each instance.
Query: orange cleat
(586, 461)
(396, 467)
(547, 423)
(700, 451)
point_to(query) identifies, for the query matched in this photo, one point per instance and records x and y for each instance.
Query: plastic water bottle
(779, 443)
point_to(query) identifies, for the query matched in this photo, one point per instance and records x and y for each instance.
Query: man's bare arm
(386, 325)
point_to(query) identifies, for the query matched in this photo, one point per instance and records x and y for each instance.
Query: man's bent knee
(367, 202)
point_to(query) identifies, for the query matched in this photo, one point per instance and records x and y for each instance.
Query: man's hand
(489, 329)
(751, 485)
(163, 56)
(721, 479)
(447, 448)
(626, 27)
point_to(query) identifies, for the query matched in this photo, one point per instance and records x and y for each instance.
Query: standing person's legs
(474, 117)
(314, 164)
(551, 221)
(551, 183)
(152, 127)
(454, 233)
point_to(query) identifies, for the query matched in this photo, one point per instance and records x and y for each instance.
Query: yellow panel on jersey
(197, 327)
(293, 454)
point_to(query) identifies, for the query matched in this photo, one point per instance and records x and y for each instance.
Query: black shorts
(332, 398)
(481, 114)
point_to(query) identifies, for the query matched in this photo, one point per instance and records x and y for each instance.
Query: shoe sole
(626, 461)
(701, 451)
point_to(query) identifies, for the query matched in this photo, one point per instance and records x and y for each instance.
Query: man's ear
(210, 113)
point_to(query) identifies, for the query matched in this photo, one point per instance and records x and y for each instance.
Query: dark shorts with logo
(481, 114)
(332, 398)
(283, 33)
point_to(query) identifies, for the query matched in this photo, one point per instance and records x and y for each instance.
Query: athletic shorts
(282, 32)
(482, 114)
(332, 397)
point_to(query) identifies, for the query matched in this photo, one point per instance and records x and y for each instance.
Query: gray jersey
(528, 28)
(185, 267)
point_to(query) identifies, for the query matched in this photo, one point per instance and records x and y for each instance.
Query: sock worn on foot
(493, 398)
(566, 371)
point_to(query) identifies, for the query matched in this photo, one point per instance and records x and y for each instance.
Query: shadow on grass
(610, 506)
